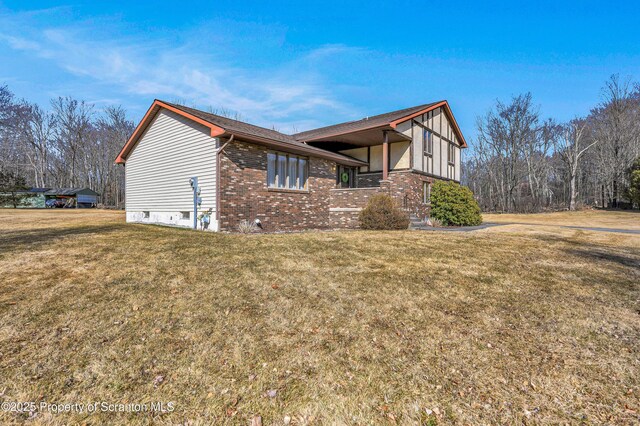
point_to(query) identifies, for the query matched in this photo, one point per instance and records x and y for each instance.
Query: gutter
(304, 150)
(218, 185)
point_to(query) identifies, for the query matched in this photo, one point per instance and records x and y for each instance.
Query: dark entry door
(346, 177)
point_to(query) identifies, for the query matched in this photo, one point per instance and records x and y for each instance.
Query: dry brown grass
(588, 218)
(532, 326)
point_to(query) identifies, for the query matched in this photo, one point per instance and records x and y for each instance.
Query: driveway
(491, 225)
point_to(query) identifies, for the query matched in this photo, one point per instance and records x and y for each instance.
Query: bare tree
(38, 127)
(571, 144)
(615, 128)
(504, 134)
(113, 129)
(11, 114)
(73, 130)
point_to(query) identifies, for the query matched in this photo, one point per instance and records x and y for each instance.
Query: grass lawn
(588, 218)
(504, 325)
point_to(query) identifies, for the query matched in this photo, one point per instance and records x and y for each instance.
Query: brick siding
(244, 193)
(406, 188)
(369, 180)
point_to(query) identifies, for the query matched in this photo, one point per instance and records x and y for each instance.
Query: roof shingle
(365, 123)
(295, 142)
(232, 125)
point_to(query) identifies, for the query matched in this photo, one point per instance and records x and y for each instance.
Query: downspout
(218, 179)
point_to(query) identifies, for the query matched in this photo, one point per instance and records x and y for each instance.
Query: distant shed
(80, 197)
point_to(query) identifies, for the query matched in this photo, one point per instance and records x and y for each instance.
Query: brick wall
(406, 188)
(346, 205)
(369, 180)
(244, 193)
(352, 197)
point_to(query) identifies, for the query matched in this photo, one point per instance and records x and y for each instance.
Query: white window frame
(427, 136)
(451, 155)
(283, 182)
(426, 192)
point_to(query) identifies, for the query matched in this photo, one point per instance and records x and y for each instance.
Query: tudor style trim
(447, 109)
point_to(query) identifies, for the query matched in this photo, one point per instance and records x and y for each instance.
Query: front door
(346, 177)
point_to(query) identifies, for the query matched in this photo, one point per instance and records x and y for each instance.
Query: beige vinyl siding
(172, 150)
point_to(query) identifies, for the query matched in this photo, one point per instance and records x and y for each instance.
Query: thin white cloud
(164, 69)
(20, 43)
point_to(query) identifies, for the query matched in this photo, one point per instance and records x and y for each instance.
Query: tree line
(68, 144)
(521, 162)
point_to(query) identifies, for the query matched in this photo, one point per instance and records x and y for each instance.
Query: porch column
(385, 156)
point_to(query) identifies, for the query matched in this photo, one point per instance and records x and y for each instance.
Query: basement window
(145, 215)
(186, 215)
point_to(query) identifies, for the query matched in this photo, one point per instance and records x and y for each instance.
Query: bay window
(286, 171)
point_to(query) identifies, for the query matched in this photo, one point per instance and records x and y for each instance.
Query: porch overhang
(366, 137)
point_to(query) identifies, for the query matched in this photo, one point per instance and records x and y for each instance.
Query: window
(145, 215)
(452, 153)
(302, 172)
(286, 171)
(271, 169)
(451, 158)
(282, 171)
(186, 215)
(428, 142)
(426, 192)
(292, 175)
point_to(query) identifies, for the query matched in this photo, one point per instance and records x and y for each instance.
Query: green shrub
(633, 191)
(382, 213)
(454, 204)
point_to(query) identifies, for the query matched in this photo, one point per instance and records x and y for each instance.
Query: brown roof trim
(331, 135)
(447, 109)
(385, 121)
(302, 149)
(218, 131)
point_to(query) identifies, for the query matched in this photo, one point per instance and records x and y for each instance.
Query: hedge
(382, 213)
(454, 204)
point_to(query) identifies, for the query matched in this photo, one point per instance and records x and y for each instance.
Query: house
(318, 179)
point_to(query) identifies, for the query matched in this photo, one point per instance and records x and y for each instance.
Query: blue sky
(299, 65)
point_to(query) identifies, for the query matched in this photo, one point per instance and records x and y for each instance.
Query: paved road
(490, 225)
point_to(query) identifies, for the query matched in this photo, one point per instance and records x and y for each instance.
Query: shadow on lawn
(595, 254)
(623, 256)
(25, 239)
